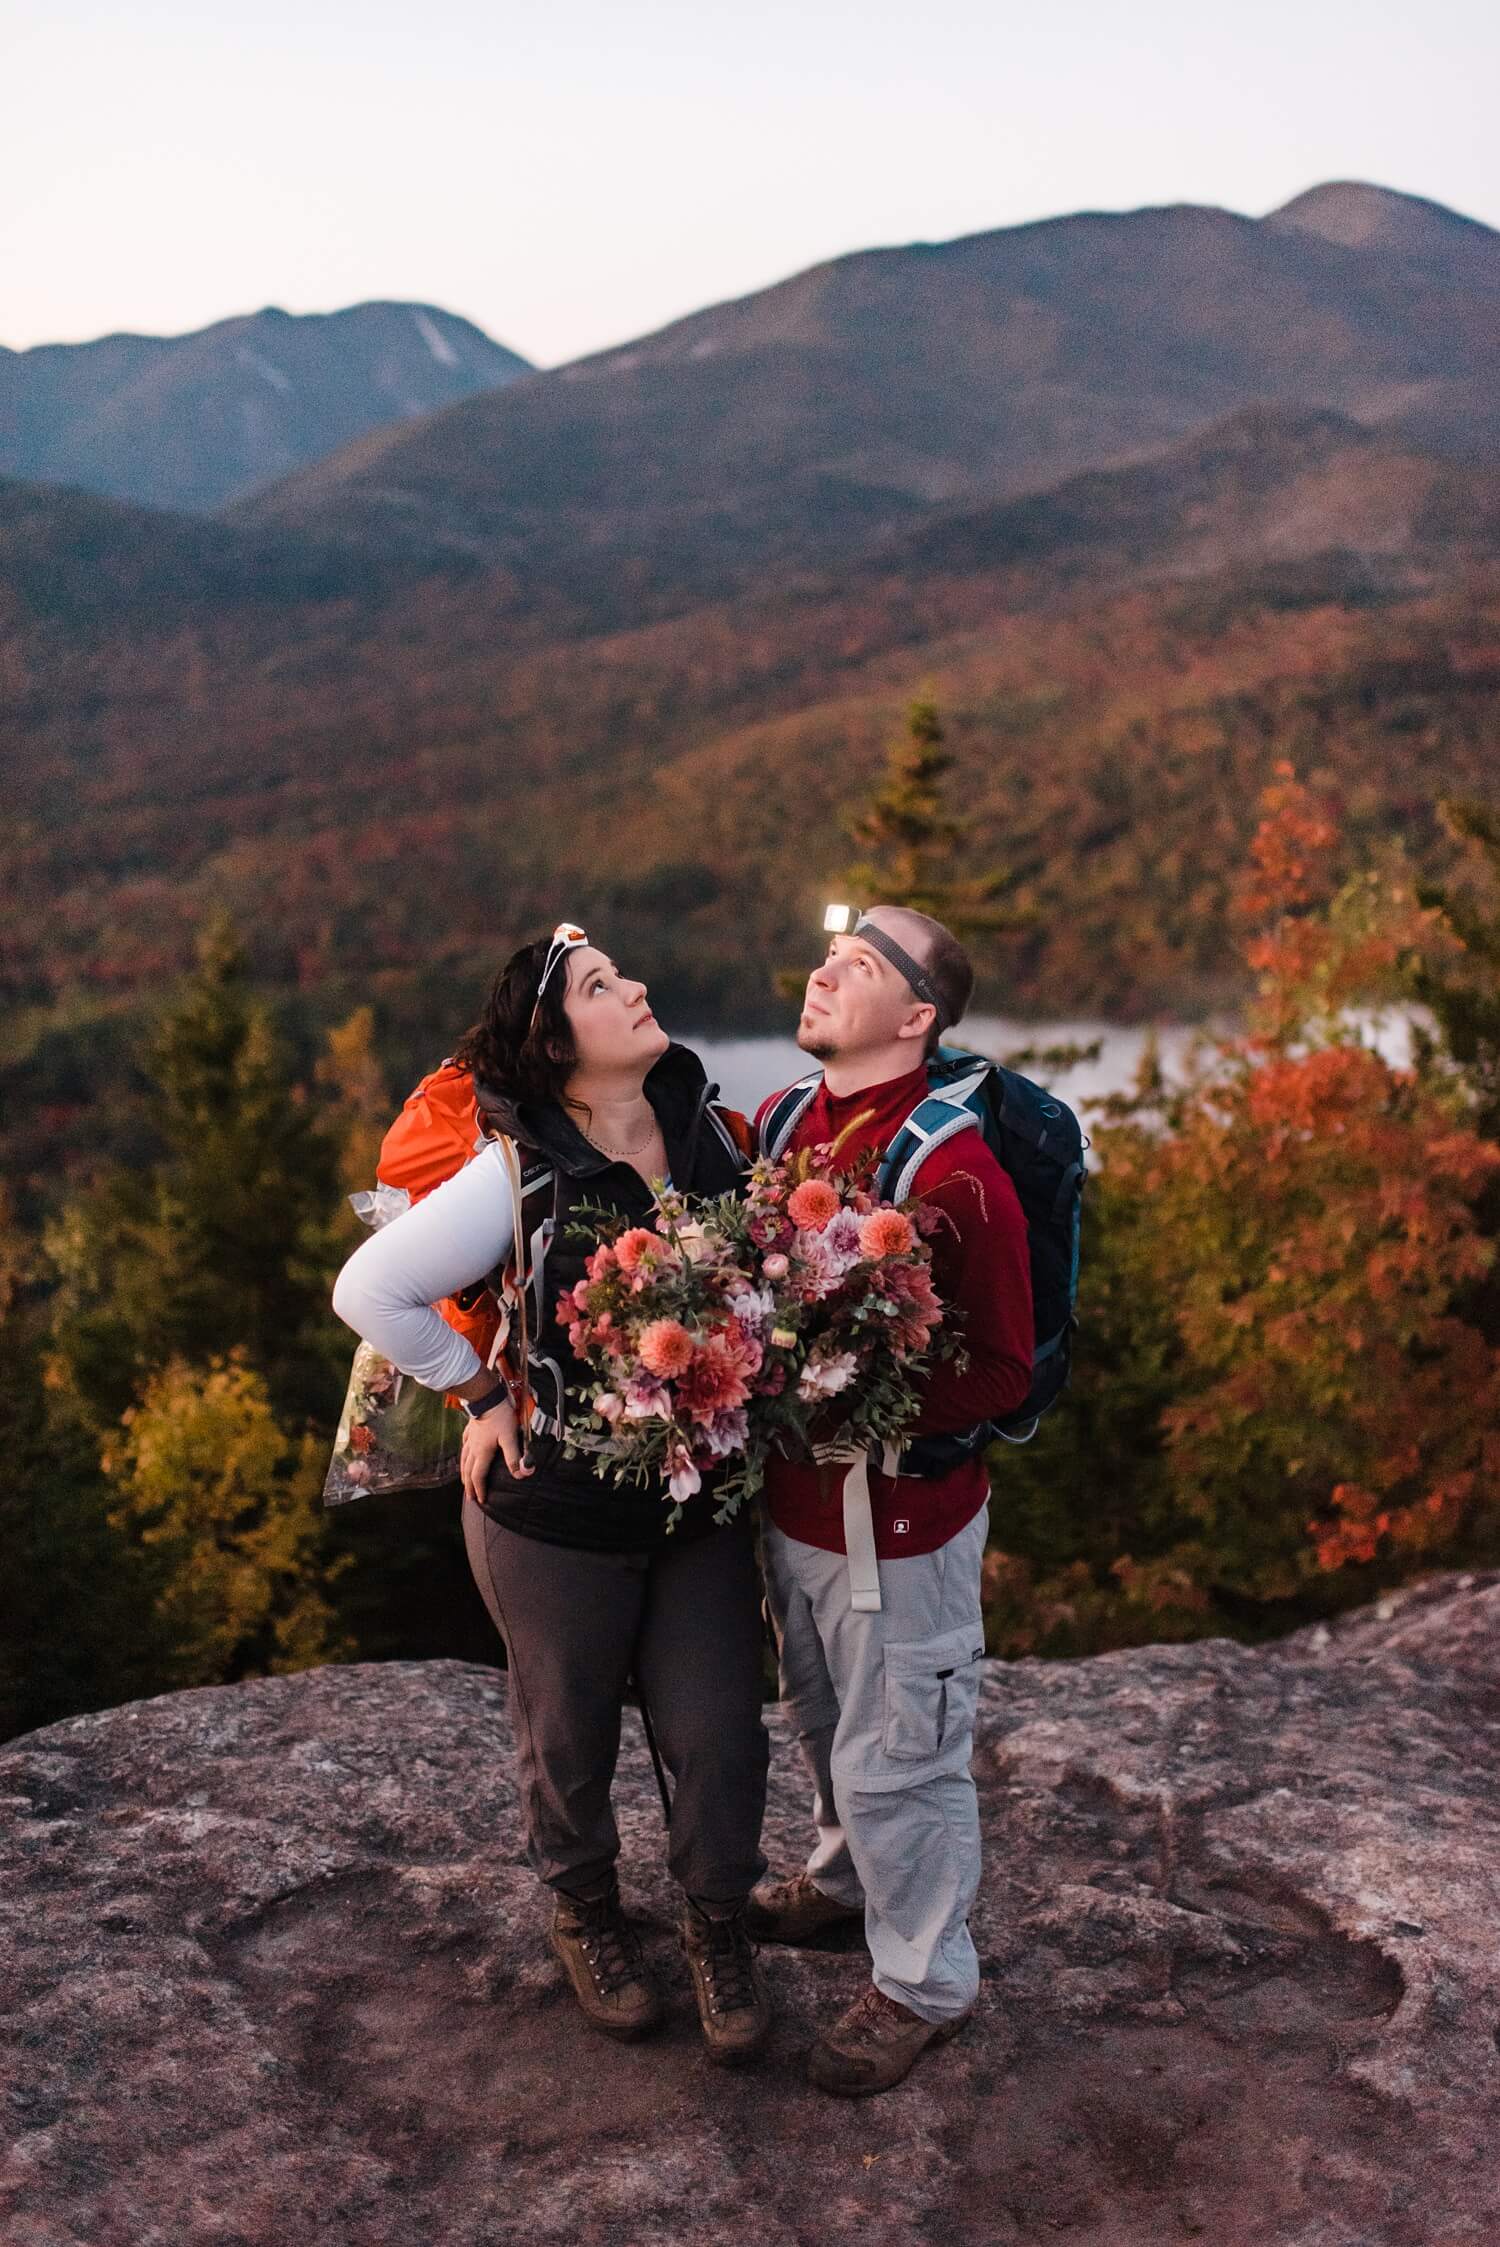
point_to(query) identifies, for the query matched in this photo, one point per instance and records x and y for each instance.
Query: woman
(580, 1576)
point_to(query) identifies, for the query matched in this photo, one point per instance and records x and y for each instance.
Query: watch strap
(479, 1406)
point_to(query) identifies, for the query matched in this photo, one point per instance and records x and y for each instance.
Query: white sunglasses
(566, 938)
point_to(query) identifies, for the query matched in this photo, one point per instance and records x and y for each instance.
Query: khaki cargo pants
(882, 1706)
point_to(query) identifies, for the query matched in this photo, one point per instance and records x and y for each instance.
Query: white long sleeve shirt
(457, 1234)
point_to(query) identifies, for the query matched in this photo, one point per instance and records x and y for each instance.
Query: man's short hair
(949, 970)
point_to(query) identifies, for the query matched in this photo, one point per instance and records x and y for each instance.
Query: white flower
(694, 1242)
(841, 1238)
(684, 1480)
(825, 1377)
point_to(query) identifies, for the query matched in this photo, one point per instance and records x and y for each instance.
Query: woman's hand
(500, 1431)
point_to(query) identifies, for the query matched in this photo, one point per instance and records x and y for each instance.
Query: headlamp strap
(871, 933)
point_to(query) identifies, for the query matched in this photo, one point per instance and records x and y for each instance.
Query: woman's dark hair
(522, 1051)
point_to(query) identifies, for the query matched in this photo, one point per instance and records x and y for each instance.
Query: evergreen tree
(1456, 978)
(77, 1630)
(225, 1243)
(915, 846)
(914, 843)
(1462, 989)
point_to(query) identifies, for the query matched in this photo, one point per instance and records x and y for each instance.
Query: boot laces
(612, 1948)
(728, 1957)
(872, 2018)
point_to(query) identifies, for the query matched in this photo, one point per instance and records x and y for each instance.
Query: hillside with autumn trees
(387, 776)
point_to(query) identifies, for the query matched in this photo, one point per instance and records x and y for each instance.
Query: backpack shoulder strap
(786, 1112)
(533, 1195)
(951, 1106)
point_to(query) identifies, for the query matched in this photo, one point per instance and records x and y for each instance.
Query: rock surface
(271, 1972)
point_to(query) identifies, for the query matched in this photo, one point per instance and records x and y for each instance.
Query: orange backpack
(436, 1133)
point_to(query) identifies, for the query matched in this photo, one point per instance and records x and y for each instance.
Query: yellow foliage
(228, 1504)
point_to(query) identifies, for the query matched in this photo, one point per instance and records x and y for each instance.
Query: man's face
(857, 1002)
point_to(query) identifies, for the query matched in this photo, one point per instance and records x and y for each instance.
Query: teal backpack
(1039, 1143)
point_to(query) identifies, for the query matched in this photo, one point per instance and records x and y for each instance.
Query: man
(882, 1699)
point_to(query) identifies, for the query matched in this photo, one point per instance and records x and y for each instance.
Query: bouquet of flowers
(393, 1434)
(724, 1331)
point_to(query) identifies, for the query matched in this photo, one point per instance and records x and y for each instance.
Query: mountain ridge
(847, 400)
(191, 421)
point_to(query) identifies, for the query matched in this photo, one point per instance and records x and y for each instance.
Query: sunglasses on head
(566, 938)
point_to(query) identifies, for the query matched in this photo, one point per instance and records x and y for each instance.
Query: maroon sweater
(981, 1264)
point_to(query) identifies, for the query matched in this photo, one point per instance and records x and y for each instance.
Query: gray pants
(684, 1618)
(883, 1707)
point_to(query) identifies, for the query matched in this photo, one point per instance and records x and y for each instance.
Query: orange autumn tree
(1310, 1219)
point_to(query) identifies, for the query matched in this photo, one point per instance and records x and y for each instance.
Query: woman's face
(614, 1030)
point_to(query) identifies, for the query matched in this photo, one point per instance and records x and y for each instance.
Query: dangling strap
(513, 1294)
(859, 1518)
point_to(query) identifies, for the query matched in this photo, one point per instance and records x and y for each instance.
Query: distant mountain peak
(198, 419)
(1360, 216)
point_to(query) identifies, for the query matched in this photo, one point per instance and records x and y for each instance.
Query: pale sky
(569, 177)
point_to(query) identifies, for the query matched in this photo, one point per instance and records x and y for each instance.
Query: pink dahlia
(886, 1233)
(718, 1380)
(665, 1347)
(632, 1246)
(813, 1205)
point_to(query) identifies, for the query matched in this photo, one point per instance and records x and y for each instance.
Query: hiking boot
(874, 2046)
(796, 1911)
(734, 2005)
(602, 1957)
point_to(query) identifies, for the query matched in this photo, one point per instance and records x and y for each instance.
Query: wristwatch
(487, 1403)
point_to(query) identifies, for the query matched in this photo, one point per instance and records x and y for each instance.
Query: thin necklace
(634, 1147)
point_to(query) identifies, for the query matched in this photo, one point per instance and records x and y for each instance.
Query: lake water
(748, 1068)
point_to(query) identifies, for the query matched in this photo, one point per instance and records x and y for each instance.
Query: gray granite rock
(271, 1972)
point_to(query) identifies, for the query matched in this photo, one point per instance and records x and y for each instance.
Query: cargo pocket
(931, 1692)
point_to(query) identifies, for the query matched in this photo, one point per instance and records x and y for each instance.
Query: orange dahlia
(813, 1205)
(885, 1232)
(665, 1347)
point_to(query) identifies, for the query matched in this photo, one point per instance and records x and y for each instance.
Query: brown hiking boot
(874, 2045)
(602, 1958)
(796, 1910)
(734, 2005)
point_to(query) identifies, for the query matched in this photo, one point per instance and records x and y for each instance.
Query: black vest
(567, 1500)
